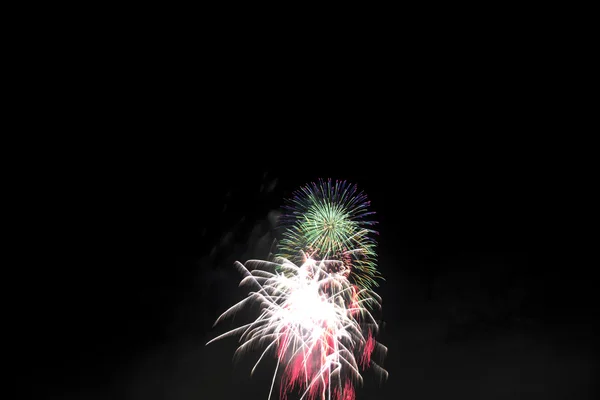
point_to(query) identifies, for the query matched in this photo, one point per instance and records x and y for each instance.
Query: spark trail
(315, 322)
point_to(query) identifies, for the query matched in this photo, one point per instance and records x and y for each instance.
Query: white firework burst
(314, 320)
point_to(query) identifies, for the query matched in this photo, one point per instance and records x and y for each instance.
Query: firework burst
(315, 322)
(316, 296)
(331, 220)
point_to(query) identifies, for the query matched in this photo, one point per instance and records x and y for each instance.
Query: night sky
(472, 306)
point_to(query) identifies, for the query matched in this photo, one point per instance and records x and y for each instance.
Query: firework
(331, 220)
(316, 323)
(316, 296)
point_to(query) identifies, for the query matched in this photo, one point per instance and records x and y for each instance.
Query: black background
(135, 238)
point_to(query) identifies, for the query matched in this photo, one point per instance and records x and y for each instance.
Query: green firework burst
(331, 220)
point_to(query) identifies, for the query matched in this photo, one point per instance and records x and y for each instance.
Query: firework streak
(316, 317)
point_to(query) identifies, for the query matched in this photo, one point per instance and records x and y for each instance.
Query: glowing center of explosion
(310, 309)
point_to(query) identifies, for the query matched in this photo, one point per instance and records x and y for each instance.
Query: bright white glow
(307, 313)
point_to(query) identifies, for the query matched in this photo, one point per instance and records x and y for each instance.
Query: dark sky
(452, 132)
(471, 307)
